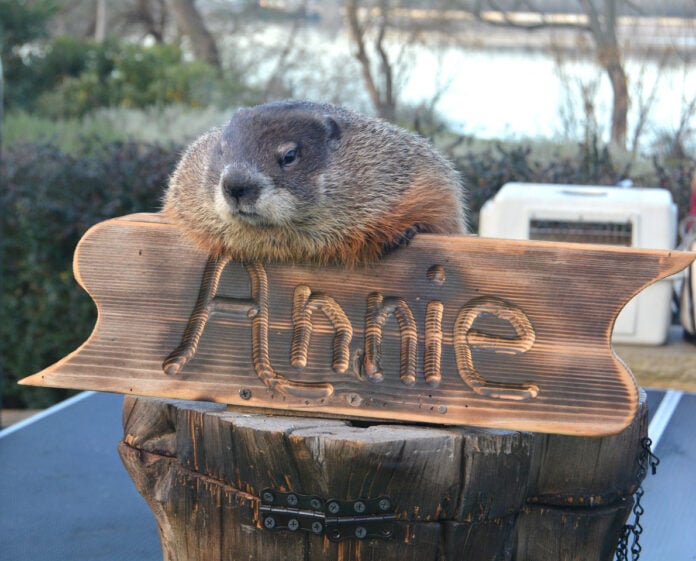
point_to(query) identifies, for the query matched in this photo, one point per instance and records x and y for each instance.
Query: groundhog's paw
(401, 240)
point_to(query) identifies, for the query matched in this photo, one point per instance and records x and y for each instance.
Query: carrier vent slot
(611, 233)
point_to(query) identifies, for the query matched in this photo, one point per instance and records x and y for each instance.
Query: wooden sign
(450, 330)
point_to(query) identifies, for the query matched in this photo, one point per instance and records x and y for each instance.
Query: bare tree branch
(382, 100)
(645, 104)
(595, 24)
(151, 15)
(357, 32)
(189, 20)
(273, 84)
(388, 103)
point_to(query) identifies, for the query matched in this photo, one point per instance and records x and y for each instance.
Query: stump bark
(454, 493)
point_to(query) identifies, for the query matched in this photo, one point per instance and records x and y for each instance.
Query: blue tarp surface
(64, 493)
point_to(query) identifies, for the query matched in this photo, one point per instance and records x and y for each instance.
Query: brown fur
(356, 188)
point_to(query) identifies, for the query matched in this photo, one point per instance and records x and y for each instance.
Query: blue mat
(64, 493)
(669, 522)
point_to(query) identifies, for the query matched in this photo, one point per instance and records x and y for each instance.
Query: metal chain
(634, 530)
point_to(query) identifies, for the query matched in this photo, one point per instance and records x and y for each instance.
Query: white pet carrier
(634, 217)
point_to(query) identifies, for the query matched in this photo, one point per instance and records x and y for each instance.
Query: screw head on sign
(317, 527)
(292, 499)
(384, 504)
(315, 503)
(269, 522)
(245, 393)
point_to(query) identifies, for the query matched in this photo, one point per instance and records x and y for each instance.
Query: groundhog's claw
(402, 240)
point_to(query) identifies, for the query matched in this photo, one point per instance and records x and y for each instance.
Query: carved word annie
(378, 310)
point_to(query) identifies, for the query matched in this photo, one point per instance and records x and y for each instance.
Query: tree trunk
(101, 21)
(619, 112)
(603, 29)
(383, 100)
(189, 20)
(153, 17)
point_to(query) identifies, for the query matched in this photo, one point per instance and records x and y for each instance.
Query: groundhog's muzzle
(249, 195)
(241, 185)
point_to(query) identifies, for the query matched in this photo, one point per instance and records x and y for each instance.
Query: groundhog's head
(270, 162)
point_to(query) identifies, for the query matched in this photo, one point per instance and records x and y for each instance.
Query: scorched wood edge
(450, 330)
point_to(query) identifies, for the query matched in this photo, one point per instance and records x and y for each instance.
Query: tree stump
(213, 476)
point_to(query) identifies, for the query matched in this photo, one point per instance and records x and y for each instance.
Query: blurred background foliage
(94, 122)
(75, 76)
(49, 199)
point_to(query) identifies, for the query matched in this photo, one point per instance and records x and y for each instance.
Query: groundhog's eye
(288, 158)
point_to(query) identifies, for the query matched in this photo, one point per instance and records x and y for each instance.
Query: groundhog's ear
(333, 131)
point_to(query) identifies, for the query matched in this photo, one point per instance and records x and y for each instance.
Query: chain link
(633, 531)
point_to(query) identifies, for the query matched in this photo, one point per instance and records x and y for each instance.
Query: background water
(489, 93)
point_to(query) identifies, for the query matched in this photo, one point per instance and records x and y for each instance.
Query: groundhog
(307, 182)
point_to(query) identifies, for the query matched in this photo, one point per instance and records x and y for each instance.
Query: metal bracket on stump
(337, 520)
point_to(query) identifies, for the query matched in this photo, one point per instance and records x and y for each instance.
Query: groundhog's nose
(241, 192)
(240, 186)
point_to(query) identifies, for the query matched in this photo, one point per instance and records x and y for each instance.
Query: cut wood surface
(449, 330)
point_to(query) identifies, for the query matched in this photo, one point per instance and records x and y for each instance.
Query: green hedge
(70, 77)
(50, 198)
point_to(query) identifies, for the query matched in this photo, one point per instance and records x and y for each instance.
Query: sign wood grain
(449, 330)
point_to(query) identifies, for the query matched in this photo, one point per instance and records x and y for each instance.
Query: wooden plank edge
(589, 426)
